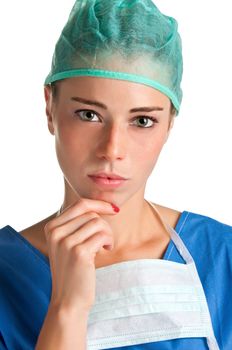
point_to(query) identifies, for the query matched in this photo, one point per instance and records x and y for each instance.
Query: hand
(74, 238)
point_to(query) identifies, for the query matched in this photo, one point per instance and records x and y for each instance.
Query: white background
(194, 170)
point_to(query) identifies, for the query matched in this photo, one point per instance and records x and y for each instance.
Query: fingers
(93, 226)
(84, 205)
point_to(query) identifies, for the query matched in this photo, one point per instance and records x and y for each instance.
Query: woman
(110, 269)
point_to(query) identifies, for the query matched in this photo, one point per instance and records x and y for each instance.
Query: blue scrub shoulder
(209, 241)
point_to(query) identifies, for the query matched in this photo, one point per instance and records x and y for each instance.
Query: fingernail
(116, 209)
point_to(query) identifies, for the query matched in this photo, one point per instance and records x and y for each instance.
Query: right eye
(89, 114)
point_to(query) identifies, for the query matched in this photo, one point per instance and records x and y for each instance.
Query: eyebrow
(101, 105)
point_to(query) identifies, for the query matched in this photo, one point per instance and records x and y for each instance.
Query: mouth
(107, 182)
(108, 175)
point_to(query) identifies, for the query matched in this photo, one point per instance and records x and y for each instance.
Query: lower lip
(107, 183)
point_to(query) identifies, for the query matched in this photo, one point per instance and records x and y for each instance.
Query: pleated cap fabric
(121, 39)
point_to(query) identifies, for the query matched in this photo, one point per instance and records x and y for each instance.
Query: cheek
(69, 137)
(151, 147)
(147, 154)
(70, 146)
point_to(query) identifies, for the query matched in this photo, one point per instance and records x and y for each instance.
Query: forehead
(107, 89)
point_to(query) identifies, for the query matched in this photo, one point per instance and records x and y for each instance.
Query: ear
(48, 100)
(170, 127)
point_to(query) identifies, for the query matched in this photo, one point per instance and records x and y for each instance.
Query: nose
(113, 142)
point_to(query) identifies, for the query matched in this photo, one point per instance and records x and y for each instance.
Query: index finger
(85, 205)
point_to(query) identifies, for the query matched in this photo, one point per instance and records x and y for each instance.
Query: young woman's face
(90, 138)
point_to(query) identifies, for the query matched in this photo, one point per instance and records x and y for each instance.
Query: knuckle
(106, 235)
(96, 220)
(57, 230)
(54, 235)
(66, 243)
(106, 225)
(53, 239)
(93, 215)
(103, 225)
(102, 235)
(48, 227)
(79, 252)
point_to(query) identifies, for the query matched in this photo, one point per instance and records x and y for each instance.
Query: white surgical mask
(148, 300)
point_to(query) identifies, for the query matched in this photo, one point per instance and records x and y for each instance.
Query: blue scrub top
(25, 284)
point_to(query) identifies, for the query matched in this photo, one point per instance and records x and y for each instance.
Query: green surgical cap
(121, 39)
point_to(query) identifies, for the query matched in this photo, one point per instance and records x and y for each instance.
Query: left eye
(90, 113)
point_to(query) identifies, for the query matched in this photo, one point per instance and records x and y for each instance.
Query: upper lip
(108, 175)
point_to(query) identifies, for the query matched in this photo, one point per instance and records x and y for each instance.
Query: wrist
(66, 313)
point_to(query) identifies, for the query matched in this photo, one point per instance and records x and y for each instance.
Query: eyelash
(141, 127)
